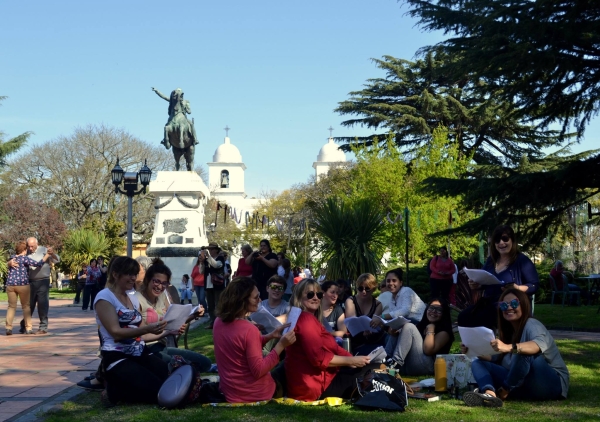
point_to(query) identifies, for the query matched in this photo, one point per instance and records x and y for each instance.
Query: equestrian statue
(179, 131)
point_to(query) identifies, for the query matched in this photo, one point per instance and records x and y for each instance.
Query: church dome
(330, 153)
(227, 153)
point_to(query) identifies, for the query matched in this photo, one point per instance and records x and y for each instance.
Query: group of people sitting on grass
(307, 362)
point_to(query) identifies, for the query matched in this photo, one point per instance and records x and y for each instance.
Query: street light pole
(130, 184)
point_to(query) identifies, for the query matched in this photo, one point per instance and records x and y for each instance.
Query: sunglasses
(310, 295)
(160, 283)
(276, 288)
(435, 309)
(505, 238)
(505, 305)
(363, 289)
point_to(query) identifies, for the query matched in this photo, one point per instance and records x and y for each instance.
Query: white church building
(226, 174)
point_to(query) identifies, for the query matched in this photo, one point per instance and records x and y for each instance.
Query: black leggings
(136, 379)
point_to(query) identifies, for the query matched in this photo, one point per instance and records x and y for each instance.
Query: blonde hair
(299, 292)
(368, 279)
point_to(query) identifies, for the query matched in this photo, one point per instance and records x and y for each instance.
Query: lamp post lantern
(130, 184)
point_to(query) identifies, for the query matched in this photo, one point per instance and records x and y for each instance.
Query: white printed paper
(176, 316)
(357, 325)
(477, 339)
(266, 319)
(482, 277)
(395, 323)
(377, 355)
(292, 318)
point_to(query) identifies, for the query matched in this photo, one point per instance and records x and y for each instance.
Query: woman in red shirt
(244, 269)
(440, 280)
(198, 282)
(244, 372)
(313, 362)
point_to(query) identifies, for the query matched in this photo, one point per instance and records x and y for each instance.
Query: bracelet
(430, 332)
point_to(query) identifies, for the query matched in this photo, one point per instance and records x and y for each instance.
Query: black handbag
(379, 390)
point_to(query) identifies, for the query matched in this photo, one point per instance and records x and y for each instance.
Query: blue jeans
(529, 377)
(201, 295)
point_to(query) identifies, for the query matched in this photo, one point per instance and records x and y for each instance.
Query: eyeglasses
(311, 294)
(160, 283)
(504, 305)
(505, 238)
(276, 288)
(435, 309)
(363, 289)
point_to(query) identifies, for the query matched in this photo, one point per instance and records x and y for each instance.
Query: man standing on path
(39, 282)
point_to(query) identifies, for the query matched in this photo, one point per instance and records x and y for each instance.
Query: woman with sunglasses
(528, 366)
(333, 314)
(418, 345)
(154, 300)
(313, 363)
(363, 303)
(508, 265)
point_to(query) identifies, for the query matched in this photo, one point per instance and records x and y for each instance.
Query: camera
(255, 255)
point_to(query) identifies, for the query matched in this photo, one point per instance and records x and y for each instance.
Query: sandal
(474, 398)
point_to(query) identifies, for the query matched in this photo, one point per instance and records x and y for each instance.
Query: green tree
(416, 97)
(351, 237)
(12, 145)
(80, 247)
(533, 52)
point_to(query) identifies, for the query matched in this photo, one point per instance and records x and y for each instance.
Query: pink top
(244, 373)
(307, 360)
(439, 264)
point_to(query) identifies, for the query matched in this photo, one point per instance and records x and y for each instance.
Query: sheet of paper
(292, 318)
(482, 277)
(357, 325)
(266, 319)
(395, 323)
(377, 355)
(477, 339)
(176, 316)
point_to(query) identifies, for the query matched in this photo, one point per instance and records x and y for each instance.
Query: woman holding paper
(529, 365)
(313, 364)
(132, 373)
(244, 372)
(363, 303)
(155, 301)
(418, 345)
(511, 268)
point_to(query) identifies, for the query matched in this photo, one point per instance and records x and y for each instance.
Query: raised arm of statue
(160, 94)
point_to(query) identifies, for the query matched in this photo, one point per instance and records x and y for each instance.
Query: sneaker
(391, 363)
(475, 398)
(28, 332)
(87, 385)
(9, 332)
(41, 332)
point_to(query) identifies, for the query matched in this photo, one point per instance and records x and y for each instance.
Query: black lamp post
(130, 184)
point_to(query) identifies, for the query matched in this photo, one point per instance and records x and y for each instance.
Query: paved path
(38, 372)
(37, 369)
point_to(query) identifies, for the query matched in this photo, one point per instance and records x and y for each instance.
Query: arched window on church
(224, 179)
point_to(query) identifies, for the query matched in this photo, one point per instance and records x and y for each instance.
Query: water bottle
(441, 379)
(346, 344)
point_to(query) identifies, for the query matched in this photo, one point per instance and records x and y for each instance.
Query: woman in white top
(132, 373)
(405, 302)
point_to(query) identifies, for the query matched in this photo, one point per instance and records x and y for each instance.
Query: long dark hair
(506, 331)
(234, 299)
(157, 267)
(445, 322)
(496, 235)
(287, 266)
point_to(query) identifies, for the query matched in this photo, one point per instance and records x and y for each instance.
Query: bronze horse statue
(179, 131)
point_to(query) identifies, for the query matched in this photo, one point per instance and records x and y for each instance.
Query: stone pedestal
(179, 229)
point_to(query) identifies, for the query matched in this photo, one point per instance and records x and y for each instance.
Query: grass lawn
(54, 294)
(577, 318)
(582, 358)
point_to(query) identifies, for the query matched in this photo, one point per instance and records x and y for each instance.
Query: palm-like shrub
(80, 247)
(351, 237)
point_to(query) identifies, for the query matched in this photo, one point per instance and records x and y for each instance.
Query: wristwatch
(514, 348)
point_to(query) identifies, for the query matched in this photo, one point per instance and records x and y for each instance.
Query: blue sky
(273, 71)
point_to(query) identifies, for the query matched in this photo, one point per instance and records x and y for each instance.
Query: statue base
(179, 230)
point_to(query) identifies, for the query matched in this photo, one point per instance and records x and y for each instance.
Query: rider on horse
(178, 121)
